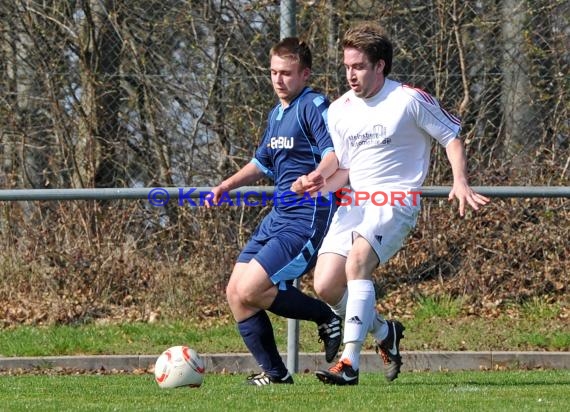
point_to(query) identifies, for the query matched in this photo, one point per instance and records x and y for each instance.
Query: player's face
(364, 78)
(288, 78)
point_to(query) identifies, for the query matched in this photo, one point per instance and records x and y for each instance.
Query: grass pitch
(435, 391)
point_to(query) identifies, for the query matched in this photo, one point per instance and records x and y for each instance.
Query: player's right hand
(217, 193)
(311, 183)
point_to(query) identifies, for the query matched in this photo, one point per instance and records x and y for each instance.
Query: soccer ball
(179, 366)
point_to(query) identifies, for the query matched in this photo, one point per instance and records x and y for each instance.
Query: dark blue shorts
(286, 246)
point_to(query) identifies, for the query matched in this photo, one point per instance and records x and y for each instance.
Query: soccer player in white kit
(382, 132)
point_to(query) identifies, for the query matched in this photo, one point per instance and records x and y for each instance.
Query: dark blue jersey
(294, 142)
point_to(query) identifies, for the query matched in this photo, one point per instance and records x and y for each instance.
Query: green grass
(438, 323)
(438, 307)
(461, 391)
(537, 309)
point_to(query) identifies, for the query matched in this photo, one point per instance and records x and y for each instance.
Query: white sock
(379, 327)
(360, 311)
(340, 307)
(352, 353)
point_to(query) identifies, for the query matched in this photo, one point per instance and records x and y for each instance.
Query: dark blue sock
(294, 304)
(257, 334)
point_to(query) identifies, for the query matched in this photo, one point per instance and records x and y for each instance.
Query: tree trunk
(100, 147)
(517, 107)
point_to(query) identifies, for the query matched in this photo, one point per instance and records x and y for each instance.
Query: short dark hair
(371, 39)
(295, 49)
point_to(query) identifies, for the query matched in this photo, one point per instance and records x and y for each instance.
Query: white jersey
(385, 140)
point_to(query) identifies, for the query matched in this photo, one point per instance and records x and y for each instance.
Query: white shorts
(384, 227)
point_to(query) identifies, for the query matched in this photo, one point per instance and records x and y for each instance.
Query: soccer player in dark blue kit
(284, 246)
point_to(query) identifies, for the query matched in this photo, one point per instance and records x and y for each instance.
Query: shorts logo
(355, 319)
(379, 239)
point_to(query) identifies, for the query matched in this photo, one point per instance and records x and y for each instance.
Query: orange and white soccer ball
(179, 366)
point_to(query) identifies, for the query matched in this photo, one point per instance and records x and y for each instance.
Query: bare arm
(461, 190)
(315, 181)
(336, 181)
(247, 175)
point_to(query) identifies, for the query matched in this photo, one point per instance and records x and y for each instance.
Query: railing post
(288, 29)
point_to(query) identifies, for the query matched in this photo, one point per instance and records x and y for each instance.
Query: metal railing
(195, 192)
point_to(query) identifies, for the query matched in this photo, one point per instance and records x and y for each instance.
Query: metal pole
(288, 19)
(258, 192)
(288, 29)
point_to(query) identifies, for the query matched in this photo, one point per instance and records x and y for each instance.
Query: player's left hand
(465, 194)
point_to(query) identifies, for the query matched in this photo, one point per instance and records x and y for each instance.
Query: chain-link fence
(174, 92)
(130, 93)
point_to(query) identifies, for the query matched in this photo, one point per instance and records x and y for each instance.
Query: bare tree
(101, 146)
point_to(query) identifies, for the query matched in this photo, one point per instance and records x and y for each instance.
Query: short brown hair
(371, 39)
(295, 49)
